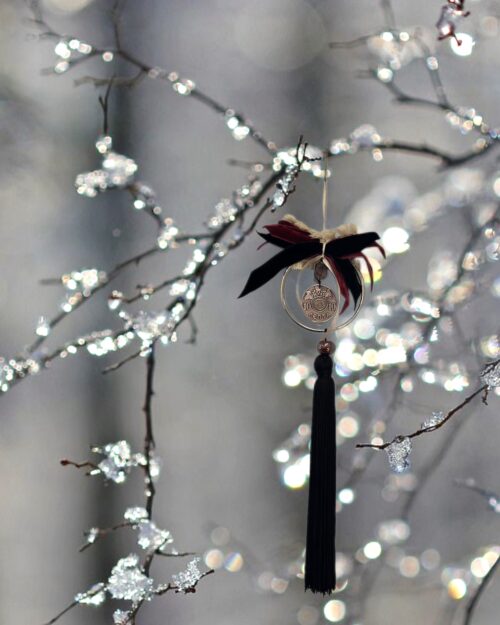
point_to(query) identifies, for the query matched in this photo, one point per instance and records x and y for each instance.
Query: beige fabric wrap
(324, 236)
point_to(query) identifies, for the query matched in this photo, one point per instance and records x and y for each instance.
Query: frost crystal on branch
(119, 460)
(121, 617)
(150, 325)
(151, 538)
(117, 171)
(490, 374)
(95, 596)
(224, 213)
(101, 343)
(435, 419)
(13, 369)
(84, 280)
(128, 581)
(167, 235)
(398, 454)
(365, 137)
(285, 186)
(236, 125)
(80, 284)
(134, 515)
(394, 50)
(182, 86)
(186, 580)
(70, 52)
(144, 197)
(43, 327)
(92, 535)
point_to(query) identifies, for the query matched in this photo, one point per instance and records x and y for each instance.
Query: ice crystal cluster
(117, 171)
(285, 185)
(150, 537)
(148, 325)
(434, 420)
(15, 369)
(94, 596)
(119, 460)
(490, 375)
(167, 235)
(69, 52)
(79, 285)
(145, 198)
(135, 514)
(398, 454)
(363, 137)
(225, 212)
(394, 50)
(186, 580)
(128, 581)
(236, 125)
(121, 617)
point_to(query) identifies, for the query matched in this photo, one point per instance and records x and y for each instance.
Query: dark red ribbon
(298, 245)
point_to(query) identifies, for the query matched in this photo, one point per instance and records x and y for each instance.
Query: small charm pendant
(320, 271)
(319, 303)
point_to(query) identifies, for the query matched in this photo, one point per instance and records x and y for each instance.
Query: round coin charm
(319, 303)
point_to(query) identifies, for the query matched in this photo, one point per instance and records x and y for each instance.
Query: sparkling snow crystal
(128, 581)
(121, 617)
(151, 537)
(134, 515)
(95, 596)
(117, 171)
(186, 580)
(490, 375)
(398, 454)
(435, 419)
(117, 462)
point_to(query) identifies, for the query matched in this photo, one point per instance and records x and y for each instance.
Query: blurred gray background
(220, 406)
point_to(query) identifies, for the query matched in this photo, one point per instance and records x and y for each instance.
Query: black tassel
(320, 552)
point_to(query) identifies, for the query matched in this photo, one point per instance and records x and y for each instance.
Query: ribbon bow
(302, 246)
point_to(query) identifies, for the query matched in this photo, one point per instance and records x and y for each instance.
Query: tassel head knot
(323, 366)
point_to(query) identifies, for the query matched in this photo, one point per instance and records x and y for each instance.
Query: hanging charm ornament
(327, 252)
(319, 303)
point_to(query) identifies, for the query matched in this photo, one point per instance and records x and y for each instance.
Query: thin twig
(474, 601)
(201, 271)
(149, 441)
(79, 465)
(482, 390)
(388, 11)
(104, 102)
(191, 589)
(104, 532)
(144, 70)
(53, 620)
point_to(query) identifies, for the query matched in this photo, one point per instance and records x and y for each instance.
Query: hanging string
(325, 198)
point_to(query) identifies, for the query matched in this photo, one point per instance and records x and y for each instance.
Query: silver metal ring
(333, 327)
